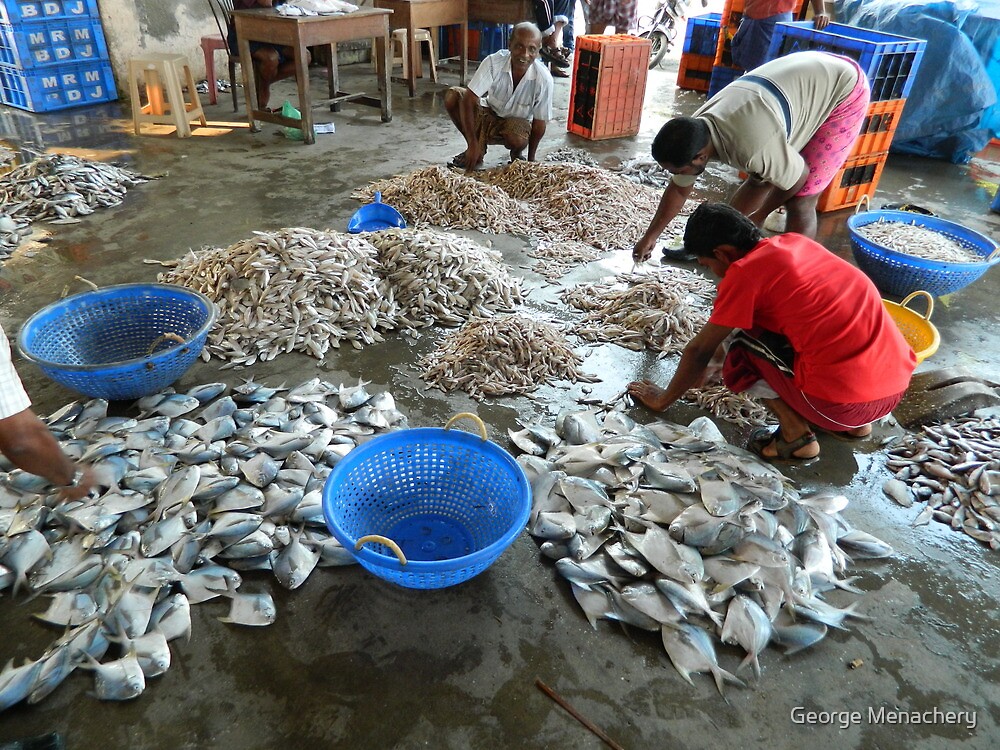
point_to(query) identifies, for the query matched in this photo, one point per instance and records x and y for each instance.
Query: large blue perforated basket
(900, 274)
(120, 342)
(427, 507)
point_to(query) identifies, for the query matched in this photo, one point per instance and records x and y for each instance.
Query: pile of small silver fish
(579, 202)
(918, 241)
(555, 258)
(572, 155)
(954, 468)
(438, 277)
(502, 355)
(737, 408)
(13, 229)
(446, 198)
(296, 289)
(671, 529)
(645, 172)
(661, 310)
(200, 486)
(59, 187)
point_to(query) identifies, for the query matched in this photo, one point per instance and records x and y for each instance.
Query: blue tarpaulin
(951, 112)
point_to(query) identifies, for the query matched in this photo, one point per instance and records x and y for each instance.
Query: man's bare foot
(649, 394)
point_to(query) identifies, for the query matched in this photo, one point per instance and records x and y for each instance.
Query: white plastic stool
(164, 75)
(403, 58)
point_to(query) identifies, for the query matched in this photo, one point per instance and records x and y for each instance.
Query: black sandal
(554, 56)
(762, 437)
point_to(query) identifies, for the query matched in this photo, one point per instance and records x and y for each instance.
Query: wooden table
(299, 33)
(501, 11)
(427, 14)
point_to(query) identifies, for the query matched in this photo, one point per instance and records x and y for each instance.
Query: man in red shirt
(753, 38)
(812, 338)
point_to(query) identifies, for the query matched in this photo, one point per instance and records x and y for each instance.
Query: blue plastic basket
(900, 274)
(722, 76)
(118, 342)
(449, 501)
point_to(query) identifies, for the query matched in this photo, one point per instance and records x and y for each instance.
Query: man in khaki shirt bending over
(789, 124)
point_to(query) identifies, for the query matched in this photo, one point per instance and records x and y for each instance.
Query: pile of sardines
(197, 489)
(671, 529)
(954, 468)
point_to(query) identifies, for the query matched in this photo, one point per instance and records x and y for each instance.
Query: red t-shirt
(848, 348)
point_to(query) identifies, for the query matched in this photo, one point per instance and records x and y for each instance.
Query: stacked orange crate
(609, 84)
(861, 172)
(698, 56)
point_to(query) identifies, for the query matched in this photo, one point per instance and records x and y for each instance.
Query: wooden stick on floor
(576, 715)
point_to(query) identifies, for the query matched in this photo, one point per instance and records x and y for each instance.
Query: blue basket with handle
(119, 342)
(900, 274)
(375, 217)
(428, 507)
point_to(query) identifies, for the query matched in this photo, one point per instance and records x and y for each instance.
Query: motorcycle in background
(661, 28)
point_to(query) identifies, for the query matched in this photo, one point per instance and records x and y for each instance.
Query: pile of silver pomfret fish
(200, 486)
(59, 187)
(13, 230)
(954, 468)
(439, 277)
(661, 309)
(671, 529)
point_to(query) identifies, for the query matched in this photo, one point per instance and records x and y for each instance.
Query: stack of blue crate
(53, 55)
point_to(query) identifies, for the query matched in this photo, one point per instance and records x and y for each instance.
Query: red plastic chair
(222, 11)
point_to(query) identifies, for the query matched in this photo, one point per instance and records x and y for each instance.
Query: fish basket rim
(478, 560)
(115, 290)
(977, 242)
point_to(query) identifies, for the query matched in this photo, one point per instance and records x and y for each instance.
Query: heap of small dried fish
(502, 355)
(737, 408)
(59, 187)
(954, 468)
(557, 257)
(578, 202)
(296, 289)
(201, 485)
(13, 229)
(660, 310)
(673, 530)
(444, 278)
(558, 201)
(645, 172)
(572, 155)
(918, 241)
(447, 198)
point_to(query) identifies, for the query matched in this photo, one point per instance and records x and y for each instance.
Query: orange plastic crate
(695, 71)
(609, 84)
(878, 129)
(732, 14)
(856, 179)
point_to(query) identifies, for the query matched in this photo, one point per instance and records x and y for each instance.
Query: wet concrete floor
(355, 662)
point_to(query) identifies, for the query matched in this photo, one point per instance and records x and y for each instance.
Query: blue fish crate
(890, 61)
(52, 43)
(702, 34)
(428, 507)
(57, 87)
(722, 76)
(493, 37)
(32, 11)
(121, 342)
(901, 274)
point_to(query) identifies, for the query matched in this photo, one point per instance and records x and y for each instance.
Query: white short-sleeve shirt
(531, 100)
(13, 399)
